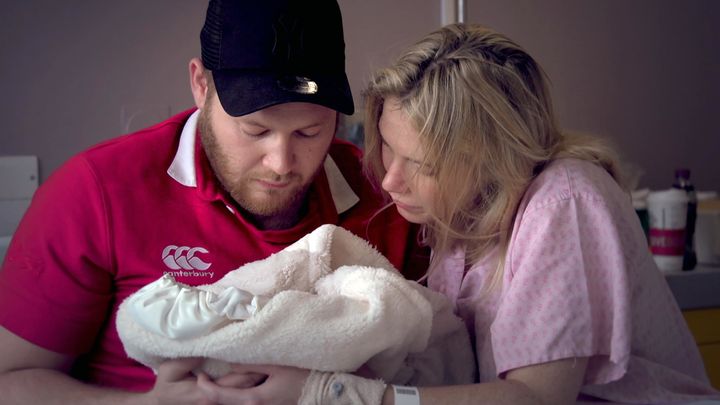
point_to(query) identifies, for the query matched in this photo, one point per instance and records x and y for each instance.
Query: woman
(533, 239)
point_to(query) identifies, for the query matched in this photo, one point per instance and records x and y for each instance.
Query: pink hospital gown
(579, 282)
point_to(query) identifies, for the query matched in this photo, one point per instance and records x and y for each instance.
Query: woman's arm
(553, 383)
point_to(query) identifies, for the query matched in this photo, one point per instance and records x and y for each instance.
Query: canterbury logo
(183, 257)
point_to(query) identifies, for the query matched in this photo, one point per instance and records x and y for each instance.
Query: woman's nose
(394, 180)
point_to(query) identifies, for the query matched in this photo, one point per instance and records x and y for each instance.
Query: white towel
(330, 302)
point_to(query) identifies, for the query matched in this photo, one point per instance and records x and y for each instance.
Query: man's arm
(30, 374)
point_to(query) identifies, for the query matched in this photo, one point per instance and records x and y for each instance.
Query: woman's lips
(406, 207)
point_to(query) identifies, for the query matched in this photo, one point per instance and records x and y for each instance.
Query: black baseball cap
(267, 52)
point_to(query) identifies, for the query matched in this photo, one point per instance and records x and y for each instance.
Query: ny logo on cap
(289, 34)
(288, 47)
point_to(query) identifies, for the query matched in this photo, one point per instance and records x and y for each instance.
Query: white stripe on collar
(182, 168)
(343, 196)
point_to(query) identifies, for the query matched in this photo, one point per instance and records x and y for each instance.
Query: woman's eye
(423, 169)
(427, 171)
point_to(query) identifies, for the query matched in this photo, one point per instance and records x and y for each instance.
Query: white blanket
(328, 302)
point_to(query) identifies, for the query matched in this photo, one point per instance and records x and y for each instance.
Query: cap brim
(242, 92)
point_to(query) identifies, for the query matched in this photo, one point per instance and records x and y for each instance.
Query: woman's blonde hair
(483, 110)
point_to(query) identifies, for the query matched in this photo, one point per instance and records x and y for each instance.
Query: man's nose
(280, 155)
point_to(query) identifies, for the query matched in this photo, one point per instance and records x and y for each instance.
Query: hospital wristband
(406, 395)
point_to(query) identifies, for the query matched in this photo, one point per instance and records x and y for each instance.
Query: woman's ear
(198, 82)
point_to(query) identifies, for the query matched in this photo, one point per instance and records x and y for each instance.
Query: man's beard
(276, 203)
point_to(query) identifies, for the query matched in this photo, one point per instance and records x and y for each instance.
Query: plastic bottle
(682, 182)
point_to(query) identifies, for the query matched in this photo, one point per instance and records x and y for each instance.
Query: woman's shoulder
(567, 179)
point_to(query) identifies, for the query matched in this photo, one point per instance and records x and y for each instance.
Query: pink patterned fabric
(579, 281)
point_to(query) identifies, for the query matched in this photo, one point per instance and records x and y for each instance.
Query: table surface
(698, 288)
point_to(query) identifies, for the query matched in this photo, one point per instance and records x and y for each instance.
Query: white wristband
(406, 395)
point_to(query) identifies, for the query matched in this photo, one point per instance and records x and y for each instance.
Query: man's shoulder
(348, 159)
(343, 149)
(161, 137)
(126, 161)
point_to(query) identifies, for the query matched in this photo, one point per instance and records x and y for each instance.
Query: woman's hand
(255, 384)
(175, 384)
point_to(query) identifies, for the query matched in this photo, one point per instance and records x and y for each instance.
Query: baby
(329, 302)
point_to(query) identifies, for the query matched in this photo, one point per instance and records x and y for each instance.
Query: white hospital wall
(18, 181)
(643, 73)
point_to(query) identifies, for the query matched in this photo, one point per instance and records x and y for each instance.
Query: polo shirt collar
(183, 168)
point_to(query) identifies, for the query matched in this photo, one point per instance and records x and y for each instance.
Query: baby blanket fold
(330, 302)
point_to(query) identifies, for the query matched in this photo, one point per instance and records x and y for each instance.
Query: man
(250, 171)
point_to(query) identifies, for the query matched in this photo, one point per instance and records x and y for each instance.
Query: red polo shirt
(123, 213)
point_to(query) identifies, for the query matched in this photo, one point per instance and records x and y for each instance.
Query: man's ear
(198, 82)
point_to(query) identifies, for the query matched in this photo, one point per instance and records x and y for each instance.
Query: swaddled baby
(329, 302)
